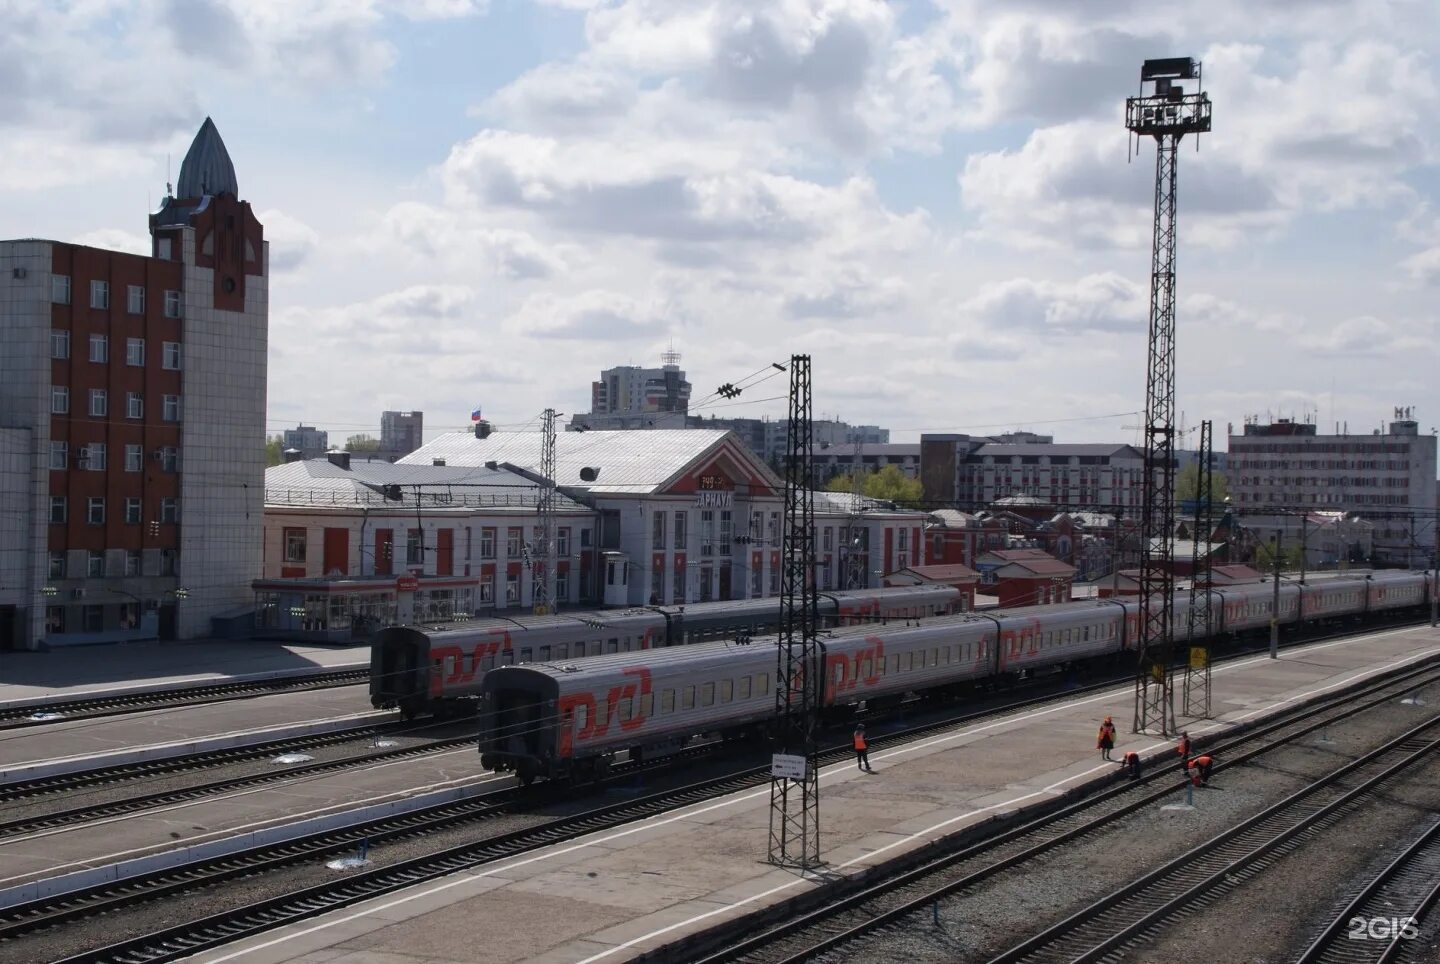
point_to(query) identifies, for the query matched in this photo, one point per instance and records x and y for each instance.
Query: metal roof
(1026, 448)
(207, 169)
(639, 462)
(320, 482)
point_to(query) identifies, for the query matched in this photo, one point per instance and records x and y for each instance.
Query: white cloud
(292, 241)
(1098, 303)
(605, 316)
(115, 239)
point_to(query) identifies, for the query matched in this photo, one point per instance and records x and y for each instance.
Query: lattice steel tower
(1195, 691)
(795, 788)
(1167, 113)
(542, 580)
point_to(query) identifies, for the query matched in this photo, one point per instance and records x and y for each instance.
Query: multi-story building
(966, 472)
(401, 433)
(1388, 479)
(132, 394)
(632, 390)
(830, 461)
(307, 441)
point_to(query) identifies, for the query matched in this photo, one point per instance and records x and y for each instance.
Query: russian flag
(475, 415)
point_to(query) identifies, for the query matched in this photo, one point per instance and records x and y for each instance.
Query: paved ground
(610, 896)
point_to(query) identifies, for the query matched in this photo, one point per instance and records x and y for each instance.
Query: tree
(274, 450)
(362, 443)
(889, 485)
(1290, 556)
(1187, 486)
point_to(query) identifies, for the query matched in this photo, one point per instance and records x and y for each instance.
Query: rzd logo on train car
(598, 715)
(844, 673)
(461, 670)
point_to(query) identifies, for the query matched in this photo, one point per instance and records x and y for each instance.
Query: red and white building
(132, 421)
(1025, 577)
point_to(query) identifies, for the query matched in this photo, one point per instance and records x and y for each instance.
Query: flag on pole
(475, 415)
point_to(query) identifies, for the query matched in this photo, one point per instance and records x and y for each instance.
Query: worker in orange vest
(1130, 766)
(1105, 742)
(1202, 764)
(862, 749)
(1184, 750)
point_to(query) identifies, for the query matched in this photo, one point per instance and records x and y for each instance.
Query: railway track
(122, 773)
(1399, 897)
(857, 908)
(1145, 906)
(100, 706)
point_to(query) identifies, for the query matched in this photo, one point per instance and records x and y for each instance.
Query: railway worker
(862, 749)
(1105, 742)
(1184, 750)
(1202, 765)
(1130, 766)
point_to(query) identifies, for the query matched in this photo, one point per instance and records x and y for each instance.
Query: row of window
(95, 564)
(60, 294)
(92, 618)
(94, 457)
(713, 540)
(100, 350)
(95, 510)
(1238, 447)
(297, 541)
(100, 404)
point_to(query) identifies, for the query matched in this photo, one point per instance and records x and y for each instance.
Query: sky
(475, 203)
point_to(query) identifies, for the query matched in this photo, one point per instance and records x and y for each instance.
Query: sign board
(407, 583)
(788, 767)
(1198, 657)
(713, 500)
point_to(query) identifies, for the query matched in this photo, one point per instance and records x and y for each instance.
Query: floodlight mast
(1166, 112)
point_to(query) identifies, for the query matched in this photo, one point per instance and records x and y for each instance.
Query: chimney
(292, 455)
(437, 461)
(339, 459)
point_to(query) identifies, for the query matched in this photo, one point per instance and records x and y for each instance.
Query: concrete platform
(29, 678)
(616, 894)
(69, 745)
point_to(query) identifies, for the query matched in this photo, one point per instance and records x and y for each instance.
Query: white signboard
(714, 500)
(787, 766)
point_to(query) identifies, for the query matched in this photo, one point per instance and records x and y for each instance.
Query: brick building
(132, 394)
(1025, 577)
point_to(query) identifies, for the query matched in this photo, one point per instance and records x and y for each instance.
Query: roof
(207, 169)
(628, 462)
(1025, 448)
(954, 518)
(827, 501)
(846, 450)
(1037, 561)
(1234, 573)
(319, 482)
(954, 572)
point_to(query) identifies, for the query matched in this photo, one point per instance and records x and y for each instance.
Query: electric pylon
(1195, 691)
(795, 769)
(542, 581)
(1167, 114)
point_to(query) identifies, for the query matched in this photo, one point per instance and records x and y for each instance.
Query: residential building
(1388, 478)
(401, 433)
(632, 390)
(966, 472)
(1025, 577)
(132, 420)
(831, 460)
(305, 442)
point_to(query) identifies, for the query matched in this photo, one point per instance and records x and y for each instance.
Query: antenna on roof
(169, 191)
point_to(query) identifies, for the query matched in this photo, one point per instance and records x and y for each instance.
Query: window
(170, 359)
(294, 545)
(757, 576)
(99, 294)
(707, 694)
(679, 530)
(687, 698)
(170, 459)
(54, 619)
(57, 565)
(94, 564)
(134, 458)
(59, 343)
(162, 249)
(135, 352)
(678, 594)
(172, 302)
(60, 289)
(414, 547)
(487, 542)
(58, 513)
(774, 580)
(657, 584)
(135, 299)
(726, 528)
(657, 531)
(667, 701)
(99, 348)
(707, 532)
(99, 402)
(134, 405)
(132, 562)
(172, 408)
(562, 543)
(132, 511)
(59, 455)
(512, 590)
(562, 585)
(726, 691)
(512, 541)
(170, 510)
(59, 400)
(169, 562)
(93, 457)
(95, 510)
(487, 590)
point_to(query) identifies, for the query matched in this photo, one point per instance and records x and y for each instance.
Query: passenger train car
(567, 718)
(438, 671)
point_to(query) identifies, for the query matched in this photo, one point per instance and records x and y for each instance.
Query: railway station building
(132, 421)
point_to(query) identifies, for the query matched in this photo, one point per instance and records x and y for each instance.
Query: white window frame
(134, 405)
(100, 294)
(99, 349)
(96, 456)
(134, 458)
(133, 510)
(170, 357)
(59, 454)
(135, 299)
(135, 352)
(170, 510)
(132, 562)
(59, 343)
(171, 412)
(95, 510)
(99, 403)
(170, 459)
(61, 508)
(172, 304)
(60, 289)
(59, 400)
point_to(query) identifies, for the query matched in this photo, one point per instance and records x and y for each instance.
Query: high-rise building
(401, 433)
(1389, 479)
(132, 420)
(309, 441)
(631, 390)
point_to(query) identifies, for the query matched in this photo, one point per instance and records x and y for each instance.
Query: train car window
(507, 657)
(614, 645)
(727, 691)
(1087, 633)
(920, 659)
(762, 684)
(745, 684)
(593, 647)
(544, 654)
(525, 655)
(687, 698)
(582, 713)
(667, 701)
(866, 667)
(895, 663)
(447, 666)
(935, 656)
(626, 709)
(707, 694)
